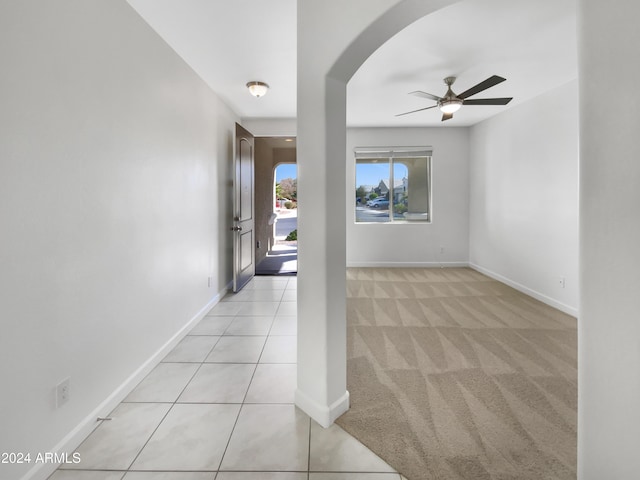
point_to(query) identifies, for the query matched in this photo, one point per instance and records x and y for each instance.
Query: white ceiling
(229, 43)
(232, 42)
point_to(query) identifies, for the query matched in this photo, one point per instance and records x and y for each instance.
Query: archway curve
(398, 17)
(349, 34)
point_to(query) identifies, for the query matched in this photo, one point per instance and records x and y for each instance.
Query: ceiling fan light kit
(451, 103)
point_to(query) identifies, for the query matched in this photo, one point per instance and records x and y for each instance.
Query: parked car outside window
(379, 203)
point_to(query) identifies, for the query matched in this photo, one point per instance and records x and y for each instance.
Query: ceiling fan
(451, 103)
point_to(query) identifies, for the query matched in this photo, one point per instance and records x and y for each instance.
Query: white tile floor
(220, 407)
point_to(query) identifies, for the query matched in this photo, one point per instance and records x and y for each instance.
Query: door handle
(235, 229)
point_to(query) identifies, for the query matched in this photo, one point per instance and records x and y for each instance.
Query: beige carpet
(453, 375)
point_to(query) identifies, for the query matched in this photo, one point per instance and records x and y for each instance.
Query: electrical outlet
(62, 392)
(441, 249)
(209, 282)
(258, 244)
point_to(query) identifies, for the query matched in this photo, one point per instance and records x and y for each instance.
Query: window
(393, 185)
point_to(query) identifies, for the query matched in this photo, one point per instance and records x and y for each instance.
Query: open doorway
(283, 257)
(276, 206)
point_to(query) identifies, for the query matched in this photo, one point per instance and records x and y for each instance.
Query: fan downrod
(450, 95)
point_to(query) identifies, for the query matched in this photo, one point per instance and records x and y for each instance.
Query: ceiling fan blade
(414, 111)
(419, 93)
(488, 83)
(447, 116)
(488, 101)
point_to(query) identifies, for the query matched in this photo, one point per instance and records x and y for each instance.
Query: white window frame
(390, 154)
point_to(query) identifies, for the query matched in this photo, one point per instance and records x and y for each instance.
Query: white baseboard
(406, 264)
(526, 290)
(323, 414)
(74, 438)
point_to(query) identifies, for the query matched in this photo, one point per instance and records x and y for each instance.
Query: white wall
(271, 127)
(415, 243)
(114, 194)
(524, 197)
(609, 328)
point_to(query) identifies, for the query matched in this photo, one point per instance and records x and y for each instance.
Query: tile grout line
(245, 396)
(233, 429)
(150, 436)
(173, 404)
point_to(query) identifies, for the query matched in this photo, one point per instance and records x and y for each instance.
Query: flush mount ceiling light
(257, 89)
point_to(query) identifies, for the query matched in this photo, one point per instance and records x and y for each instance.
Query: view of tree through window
(393, 185)
(286, 185)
